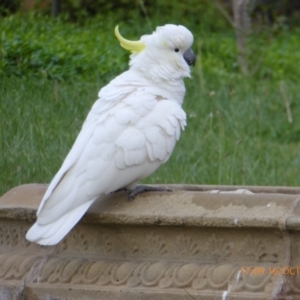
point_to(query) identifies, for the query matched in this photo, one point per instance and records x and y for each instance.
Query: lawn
(242, 130)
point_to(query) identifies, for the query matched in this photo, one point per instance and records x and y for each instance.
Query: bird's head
(165, 54)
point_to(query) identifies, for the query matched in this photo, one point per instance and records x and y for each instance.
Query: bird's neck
(171, 89)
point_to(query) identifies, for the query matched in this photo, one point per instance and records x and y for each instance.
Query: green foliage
(38, 46)
(41, 47)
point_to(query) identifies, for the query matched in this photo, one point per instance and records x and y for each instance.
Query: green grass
(40, 121)
(239, 131)
(239, 135)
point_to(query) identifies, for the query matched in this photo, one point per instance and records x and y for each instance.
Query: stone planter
(187, 244)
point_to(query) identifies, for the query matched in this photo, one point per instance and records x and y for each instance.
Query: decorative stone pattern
(182, 245)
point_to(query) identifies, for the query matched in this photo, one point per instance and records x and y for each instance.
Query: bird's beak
(189, 57)
(133, 46)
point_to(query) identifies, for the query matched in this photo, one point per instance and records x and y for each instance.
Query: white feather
(130, 131)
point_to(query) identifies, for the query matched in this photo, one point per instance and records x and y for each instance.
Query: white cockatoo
(130, 131)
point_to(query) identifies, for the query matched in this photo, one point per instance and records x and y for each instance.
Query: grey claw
(144, 188)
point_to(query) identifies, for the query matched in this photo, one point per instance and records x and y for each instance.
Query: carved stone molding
(188, 244)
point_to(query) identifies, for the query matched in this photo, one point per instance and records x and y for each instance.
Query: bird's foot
(145, 188)
(123, 189)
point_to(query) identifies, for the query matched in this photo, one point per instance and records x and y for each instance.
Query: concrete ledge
(188, 244)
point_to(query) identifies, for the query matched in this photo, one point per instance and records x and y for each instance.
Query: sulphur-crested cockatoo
(130, 131)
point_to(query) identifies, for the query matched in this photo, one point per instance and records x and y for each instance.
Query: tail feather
(53, 233)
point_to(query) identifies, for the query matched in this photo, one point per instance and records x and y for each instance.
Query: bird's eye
(176, 50)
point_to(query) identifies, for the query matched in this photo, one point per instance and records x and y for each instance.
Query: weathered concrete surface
(187, 244)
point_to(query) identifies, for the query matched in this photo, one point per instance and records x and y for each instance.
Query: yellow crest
(133, 46)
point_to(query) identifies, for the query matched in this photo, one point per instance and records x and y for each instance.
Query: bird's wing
(109, 96)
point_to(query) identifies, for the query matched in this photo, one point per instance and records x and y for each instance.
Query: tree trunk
(242, 25)
(56, 6)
